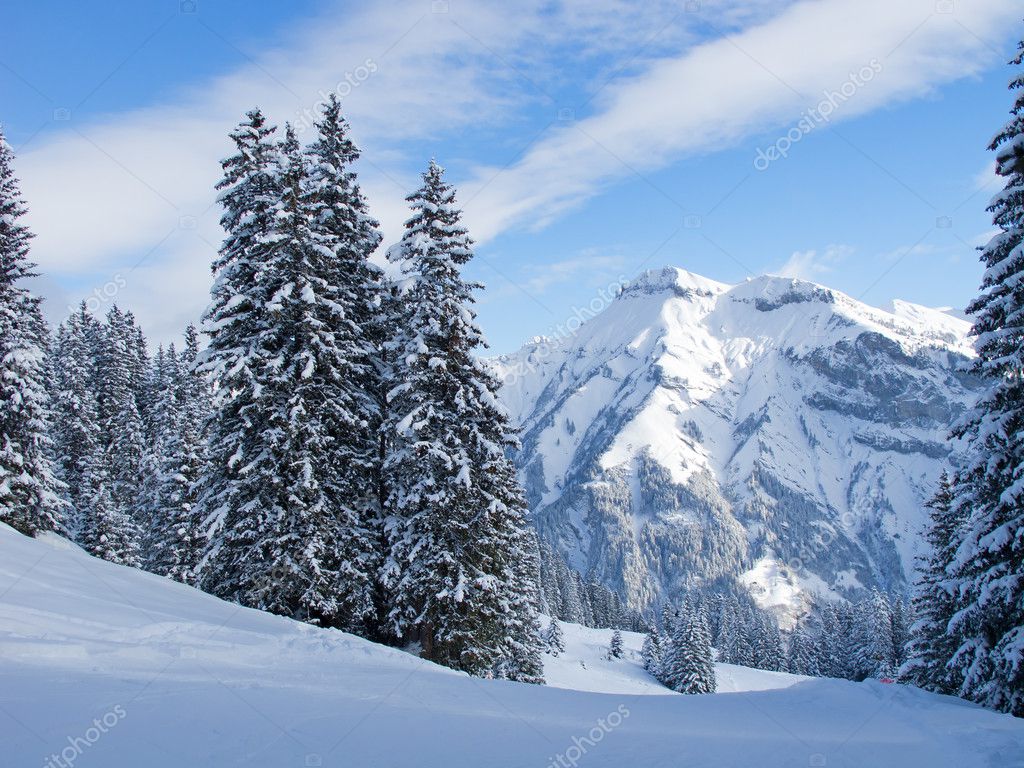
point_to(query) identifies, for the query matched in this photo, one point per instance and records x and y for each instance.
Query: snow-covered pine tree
(108, 531)
(651, 653)
(75, 426)
(161, 405)
(232, 500)
(339, 213)
(571, 608)
(931, 645)
(550, 594)
(688, 662)
(828, 654)
(872, 637)
(990, 561)
(461, 564)
(29, 500)
(768, 652)
(287, 539)
(801, 658)
(122, 433)
(900, 618)
(554, 639)
(615, 649)
(175, 537)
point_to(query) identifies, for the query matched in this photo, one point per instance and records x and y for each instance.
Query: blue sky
(588, 140)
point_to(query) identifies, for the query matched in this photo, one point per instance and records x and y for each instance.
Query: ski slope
(107, 666)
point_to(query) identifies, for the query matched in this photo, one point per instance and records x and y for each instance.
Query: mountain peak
(675, 280)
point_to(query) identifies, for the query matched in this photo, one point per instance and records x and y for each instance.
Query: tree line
(335, 453)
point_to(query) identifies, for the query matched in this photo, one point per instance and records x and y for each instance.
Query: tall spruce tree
(234, 497)
(122, 431)
(873, 638)
(990, 560)
(29, 499)
(282, 522)
(76, 428)
(360, 327)
(462, 561)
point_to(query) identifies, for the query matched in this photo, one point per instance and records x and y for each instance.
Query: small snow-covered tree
(651, 653)
(29, 500)
(615, 649)
(122, 431)
(175, 537)
(554, 639)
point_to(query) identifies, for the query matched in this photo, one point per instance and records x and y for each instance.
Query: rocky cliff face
(775, 431)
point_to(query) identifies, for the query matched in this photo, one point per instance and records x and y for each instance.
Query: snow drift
(103, 665)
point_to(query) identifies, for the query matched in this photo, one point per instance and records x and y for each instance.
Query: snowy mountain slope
(585, 666)
(107, 666)
(695, 429)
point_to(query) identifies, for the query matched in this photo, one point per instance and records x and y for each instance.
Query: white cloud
(589, 266)
(812, 265)
(721, 91)
(137, 186)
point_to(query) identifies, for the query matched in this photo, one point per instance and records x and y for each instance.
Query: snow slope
(102, 665)
(585, 666)
(772, 429)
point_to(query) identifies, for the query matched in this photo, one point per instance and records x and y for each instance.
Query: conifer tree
(339, 215)
(122, 432)
(571, 608)
(234, 498)
(288, 539)
(990, 560)
(456, 526)
(800, 658)
(931, 644)
(108, 531)
(75, 409)
(688, 663)
(651, 653)
(615, 650)
(554, 639)
(176, 540)
(29, 500)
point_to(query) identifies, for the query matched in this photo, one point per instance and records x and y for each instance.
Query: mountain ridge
(694, 430)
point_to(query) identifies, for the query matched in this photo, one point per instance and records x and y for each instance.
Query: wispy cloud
(133, 193)
(813, 265)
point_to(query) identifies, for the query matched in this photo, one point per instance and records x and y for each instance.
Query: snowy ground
(585, 666)
(109, 667)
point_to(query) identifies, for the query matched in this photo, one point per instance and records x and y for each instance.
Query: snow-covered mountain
(775, 430)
